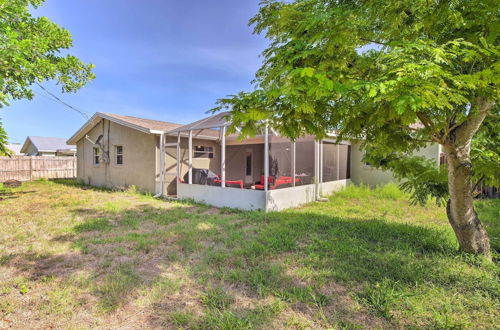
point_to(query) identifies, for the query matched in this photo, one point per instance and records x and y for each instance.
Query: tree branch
(466, 130)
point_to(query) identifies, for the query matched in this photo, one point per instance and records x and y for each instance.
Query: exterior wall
(244, 199)
(31, 150)
(138, 157)
(285, 198)
(247, 199)
(361, 173)
(170, 181)
(236, 161)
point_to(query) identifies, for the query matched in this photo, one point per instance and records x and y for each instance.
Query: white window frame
(119, 154)
(206, 154)
(96, 155)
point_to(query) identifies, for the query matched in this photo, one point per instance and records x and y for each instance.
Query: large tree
(30, 52)
(396, 75)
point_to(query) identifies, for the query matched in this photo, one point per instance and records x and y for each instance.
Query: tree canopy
(372, 69)
(32, 50)
(394, 75)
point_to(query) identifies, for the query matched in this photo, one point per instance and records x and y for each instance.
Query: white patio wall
(247, 199)
(285, 198)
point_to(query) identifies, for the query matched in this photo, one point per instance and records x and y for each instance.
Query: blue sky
(160, 59)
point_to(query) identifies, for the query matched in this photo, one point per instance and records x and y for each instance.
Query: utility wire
(57, 99)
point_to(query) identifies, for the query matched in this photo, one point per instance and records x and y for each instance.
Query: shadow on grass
(311, 262)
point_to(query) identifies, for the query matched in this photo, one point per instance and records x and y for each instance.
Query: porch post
(316, 168)
(293, 163)
(321, 149)
(190, 157)
(162, 164)
(223, 156)
(178, 156)
(266, 157)
(338, 161)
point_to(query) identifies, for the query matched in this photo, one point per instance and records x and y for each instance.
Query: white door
(249, 166)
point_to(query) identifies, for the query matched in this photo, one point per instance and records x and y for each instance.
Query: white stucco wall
(361, 173)
(285, 198)
(248, 199)
(139, 157)
(245, 199)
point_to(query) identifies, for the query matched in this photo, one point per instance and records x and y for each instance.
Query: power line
(57, 99)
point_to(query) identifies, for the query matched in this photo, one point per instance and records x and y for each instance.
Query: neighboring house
(47, 146)
(15, 148)
(201, 162)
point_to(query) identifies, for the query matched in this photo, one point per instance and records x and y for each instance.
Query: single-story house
(200, 161)
(15, 148)
(47, 146)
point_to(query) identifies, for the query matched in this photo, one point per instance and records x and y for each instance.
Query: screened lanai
(267, 171)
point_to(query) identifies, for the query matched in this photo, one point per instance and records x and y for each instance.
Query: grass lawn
(76, 257)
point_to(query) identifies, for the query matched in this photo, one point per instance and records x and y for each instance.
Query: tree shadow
(122, 251)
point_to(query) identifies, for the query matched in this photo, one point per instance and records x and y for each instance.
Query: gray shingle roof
(44, 143)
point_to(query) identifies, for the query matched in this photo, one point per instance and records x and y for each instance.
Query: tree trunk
(462, 216)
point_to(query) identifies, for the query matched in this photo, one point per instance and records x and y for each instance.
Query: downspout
(162, 165)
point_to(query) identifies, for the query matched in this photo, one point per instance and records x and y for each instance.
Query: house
(200, 161)
(15, 148)
(47, 146)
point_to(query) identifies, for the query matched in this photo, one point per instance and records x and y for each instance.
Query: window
(96, 156)
(203, 152)
(119, 155)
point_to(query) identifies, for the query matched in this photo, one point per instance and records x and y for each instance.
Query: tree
(396, 75)
(30, 52)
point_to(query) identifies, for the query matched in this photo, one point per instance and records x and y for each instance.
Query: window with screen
(203, 152)
(96, 156)
(119, 155)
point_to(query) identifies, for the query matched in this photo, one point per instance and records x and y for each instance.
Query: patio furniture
(281, 182)
(231, 183)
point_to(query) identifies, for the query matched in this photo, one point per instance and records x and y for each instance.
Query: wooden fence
(27, 168)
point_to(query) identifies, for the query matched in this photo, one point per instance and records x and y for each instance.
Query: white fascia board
(92, 121)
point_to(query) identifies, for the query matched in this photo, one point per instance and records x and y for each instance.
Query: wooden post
(223, 156)
(31, 168)
(190, 157)
(74, 165)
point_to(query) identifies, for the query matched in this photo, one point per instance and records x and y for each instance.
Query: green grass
(74, 256)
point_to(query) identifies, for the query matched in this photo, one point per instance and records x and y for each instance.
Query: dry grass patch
(74, 256)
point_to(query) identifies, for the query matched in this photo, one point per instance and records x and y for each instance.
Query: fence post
(74, 165)
(31, 168)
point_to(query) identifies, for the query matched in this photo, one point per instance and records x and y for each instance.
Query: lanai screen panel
(205, 155)
(344, 162)
(330, 161)
(304, 161)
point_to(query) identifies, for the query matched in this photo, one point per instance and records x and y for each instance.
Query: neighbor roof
(46, 144)
(15, 148)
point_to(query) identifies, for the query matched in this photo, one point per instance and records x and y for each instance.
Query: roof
(46, 144)
(218, 120)
(15, 148)
(149, 126)
(154, 125)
